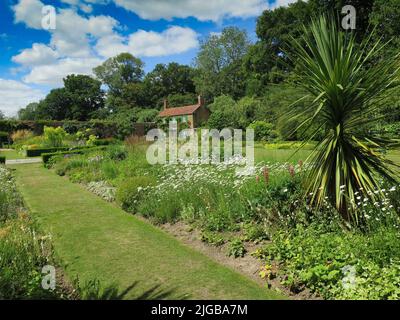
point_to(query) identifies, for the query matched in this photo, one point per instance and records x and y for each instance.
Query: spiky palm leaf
(347, 83)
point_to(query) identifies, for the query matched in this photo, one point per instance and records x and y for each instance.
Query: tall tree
(171, 79)
(85, 96)
(2, 116)
(119, 71)
(122, 75)
(55, 106)
(30, 112)
(80, 99)
(219, 64)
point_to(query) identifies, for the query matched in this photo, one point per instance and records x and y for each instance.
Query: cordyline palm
(347, 83)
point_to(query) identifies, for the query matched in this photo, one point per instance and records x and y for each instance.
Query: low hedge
(2, 159)
(39, 152)
(106, 142)
(47, 156)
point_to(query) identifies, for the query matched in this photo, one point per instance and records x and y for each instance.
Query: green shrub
(319, 258)
(162, 209)
(263, 131)
(212, 238)
(54, 137)
(236, 248)
(109, 169)
(2, 159)
(131, 191)
(3, 137)
(255, 232)
(23, 254)
(117, 153)
(106, 142)
(10, 200)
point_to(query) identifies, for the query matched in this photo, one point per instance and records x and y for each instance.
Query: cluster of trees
(253, 80)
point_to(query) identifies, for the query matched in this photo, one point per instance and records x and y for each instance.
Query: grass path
(11, 154)
(96, 240)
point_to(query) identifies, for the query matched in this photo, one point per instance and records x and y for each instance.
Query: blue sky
(33, 60)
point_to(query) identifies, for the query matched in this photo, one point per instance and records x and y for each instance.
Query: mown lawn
(96, 240)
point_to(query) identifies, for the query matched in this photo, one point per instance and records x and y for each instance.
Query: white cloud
(200, 9)
(80, 43)
(213, 10)
(15, 95)
(53, 74)
(173, 40)
(29, 12)
(39, 54)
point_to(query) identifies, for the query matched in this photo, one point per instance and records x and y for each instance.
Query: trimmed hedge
(39, 152)
(3, 137)
(47, 156)
(2, 159)
(106, 142)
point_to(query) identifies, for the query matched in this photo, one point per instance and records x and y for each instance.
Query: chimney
(165, 104)
(200, 100)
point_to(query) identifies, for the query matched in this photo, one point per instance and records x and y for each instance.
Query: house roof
(180, 111)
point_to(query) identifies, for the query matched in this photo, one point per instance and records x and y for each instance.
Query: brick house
(194, 115)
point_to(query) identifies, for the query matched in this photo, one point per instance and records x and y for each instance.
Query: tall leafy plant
(347, 83)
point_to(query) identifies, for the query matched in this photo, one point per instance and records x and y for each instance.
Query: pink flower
(291, 170)
(266, 175)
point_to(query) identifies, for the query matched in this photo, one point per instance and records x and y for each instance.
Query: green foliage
(219, 64)
(317, 257)
(4, 137)
(10, 199)
(174, 81)
(79, 99)
(263, 131)
(116, 153)
(212, 238)
(2, 159)
(255, 232)
(333, 71)
(23, 252)
(39, 152)
(236, 248)
(119, 71)
(54, 137)
(131, 191)
(30, 112)
(222, 113)
(147, 115)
